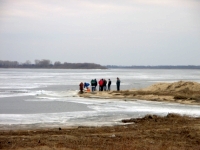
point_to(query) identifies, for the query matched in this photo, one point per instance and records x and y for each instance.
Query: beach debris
(113, 135)
(59, 128)
(116, 93)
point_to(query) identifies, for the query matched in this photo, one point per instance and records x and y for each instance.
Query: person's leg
(117, 87)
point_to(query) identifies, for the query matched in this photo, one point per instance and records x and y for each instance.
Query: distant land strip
(47, 64)
(154, 67)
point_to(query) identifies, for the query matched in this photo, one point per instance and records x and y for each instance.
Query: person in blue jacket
(86, 85)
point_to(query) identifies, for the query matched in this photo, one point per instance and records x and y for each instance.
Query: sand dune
(185, 92)
(176, 87)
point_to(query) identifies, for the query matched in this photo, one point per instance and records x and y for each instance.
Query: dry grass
(148, 133)
(184, 90)
(185, 94)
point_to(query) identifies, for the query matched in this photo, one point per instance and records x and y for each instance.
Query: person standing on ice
(81, 87)
(93, 85)
(118, 84)
(104, 84)
(109, 84)
(101, 85)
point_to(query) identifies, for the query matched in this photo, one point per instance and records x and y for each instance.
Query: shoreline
(182, 92)
(147, 97)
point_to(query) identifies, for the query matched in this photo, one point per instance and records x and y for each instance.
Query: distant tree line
(154, 67)
(44, 63)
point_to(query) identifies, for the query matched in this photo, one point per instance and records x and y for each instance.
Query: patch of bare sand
(175, 87)
(184, 92)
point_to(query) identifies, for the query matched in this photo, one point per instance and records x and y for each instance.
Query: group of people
(104, 85)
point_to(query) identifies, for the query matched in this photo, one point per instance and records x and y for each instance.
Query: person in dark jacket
(104, 84)
(118, 84)
(109, 84)
(95, 84)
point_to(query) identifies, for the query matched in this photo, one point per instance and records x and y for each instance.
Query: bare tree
(28, 62)
(37, 62)
(9, 64)
(45, 63)
(57, 64)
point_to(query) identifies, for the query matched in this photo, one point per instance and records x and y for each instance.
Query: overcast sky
(106, 32)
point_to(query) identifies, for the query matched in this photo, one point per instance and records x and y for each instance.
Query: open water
(48, 97)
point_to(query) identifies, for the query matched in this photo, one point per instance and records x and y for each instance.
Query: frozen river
(48, 98)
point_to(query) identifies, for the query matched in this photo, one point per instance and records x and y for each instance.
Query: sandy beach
(178, 92)
(150, 132)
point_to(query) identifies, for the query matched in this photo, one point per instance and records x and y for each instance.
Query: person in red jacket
(101, 85)
(81, 87)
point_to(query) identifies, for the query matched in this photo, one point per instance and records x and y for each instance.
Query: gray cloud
(105, 32)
